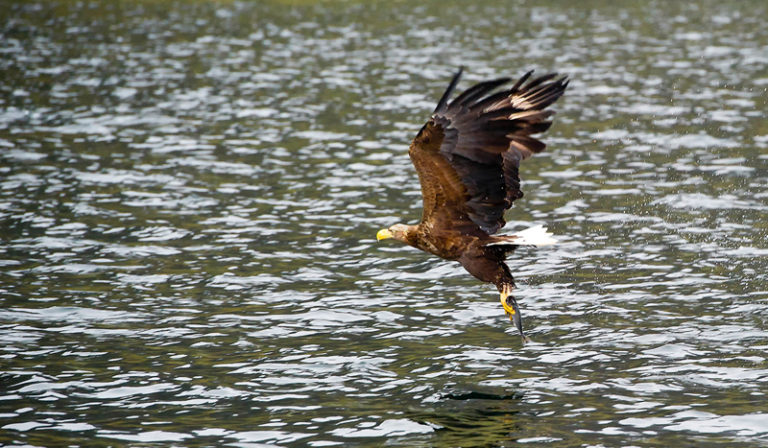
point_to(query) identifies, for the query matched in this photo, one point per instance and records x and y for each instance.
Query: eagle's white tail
(532, 236)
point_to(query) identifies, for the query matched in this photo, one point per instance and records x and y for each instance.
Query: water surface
(189, 193)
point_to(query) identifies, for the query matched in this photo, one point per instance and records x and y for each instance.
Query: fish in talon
(509, 303)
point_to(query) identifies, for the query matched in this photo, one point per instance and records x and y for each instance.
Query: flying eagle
(467, 157)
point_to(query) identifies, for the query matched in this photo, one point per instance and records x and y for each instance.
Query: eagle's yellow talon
(507, 307)
(510, 308)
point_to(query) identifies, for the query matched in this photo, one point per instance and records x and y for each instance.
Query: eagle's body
(467, 157)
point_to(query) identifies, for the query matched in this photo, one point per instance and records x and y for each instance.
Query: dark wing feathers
(444, 99)
(485, 203)
(469, 152)
(475, 92)
(521, 81)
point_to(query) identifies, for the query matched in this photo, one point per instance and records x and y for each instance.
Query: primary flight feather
(467, 157)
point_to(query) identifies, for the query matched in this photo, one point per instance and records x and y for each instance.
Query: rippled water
(189, 193)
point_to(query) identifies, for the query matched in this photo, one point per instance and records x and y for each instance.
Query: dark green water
(189, 193)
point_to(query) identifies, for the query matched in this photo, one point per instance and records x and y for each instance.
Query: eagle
(467, 157)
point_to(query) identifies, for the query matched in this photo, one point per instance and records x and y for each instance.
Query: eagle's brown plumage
(467, 157)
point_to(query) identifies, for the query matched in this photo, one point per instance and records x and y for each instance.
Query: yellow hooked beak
(383, 234)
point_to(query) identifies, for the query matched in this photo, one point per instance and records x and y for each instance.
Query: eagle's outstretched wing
(468, 154)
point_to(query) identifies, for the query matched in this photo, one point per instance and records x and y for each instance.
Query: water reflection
(189, 193)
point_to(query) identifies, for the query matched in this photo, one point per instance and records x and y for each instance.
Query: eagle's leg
(510, 307)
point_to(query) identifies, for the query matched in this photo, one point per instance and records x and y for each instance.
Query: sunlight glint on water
(189, 193)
